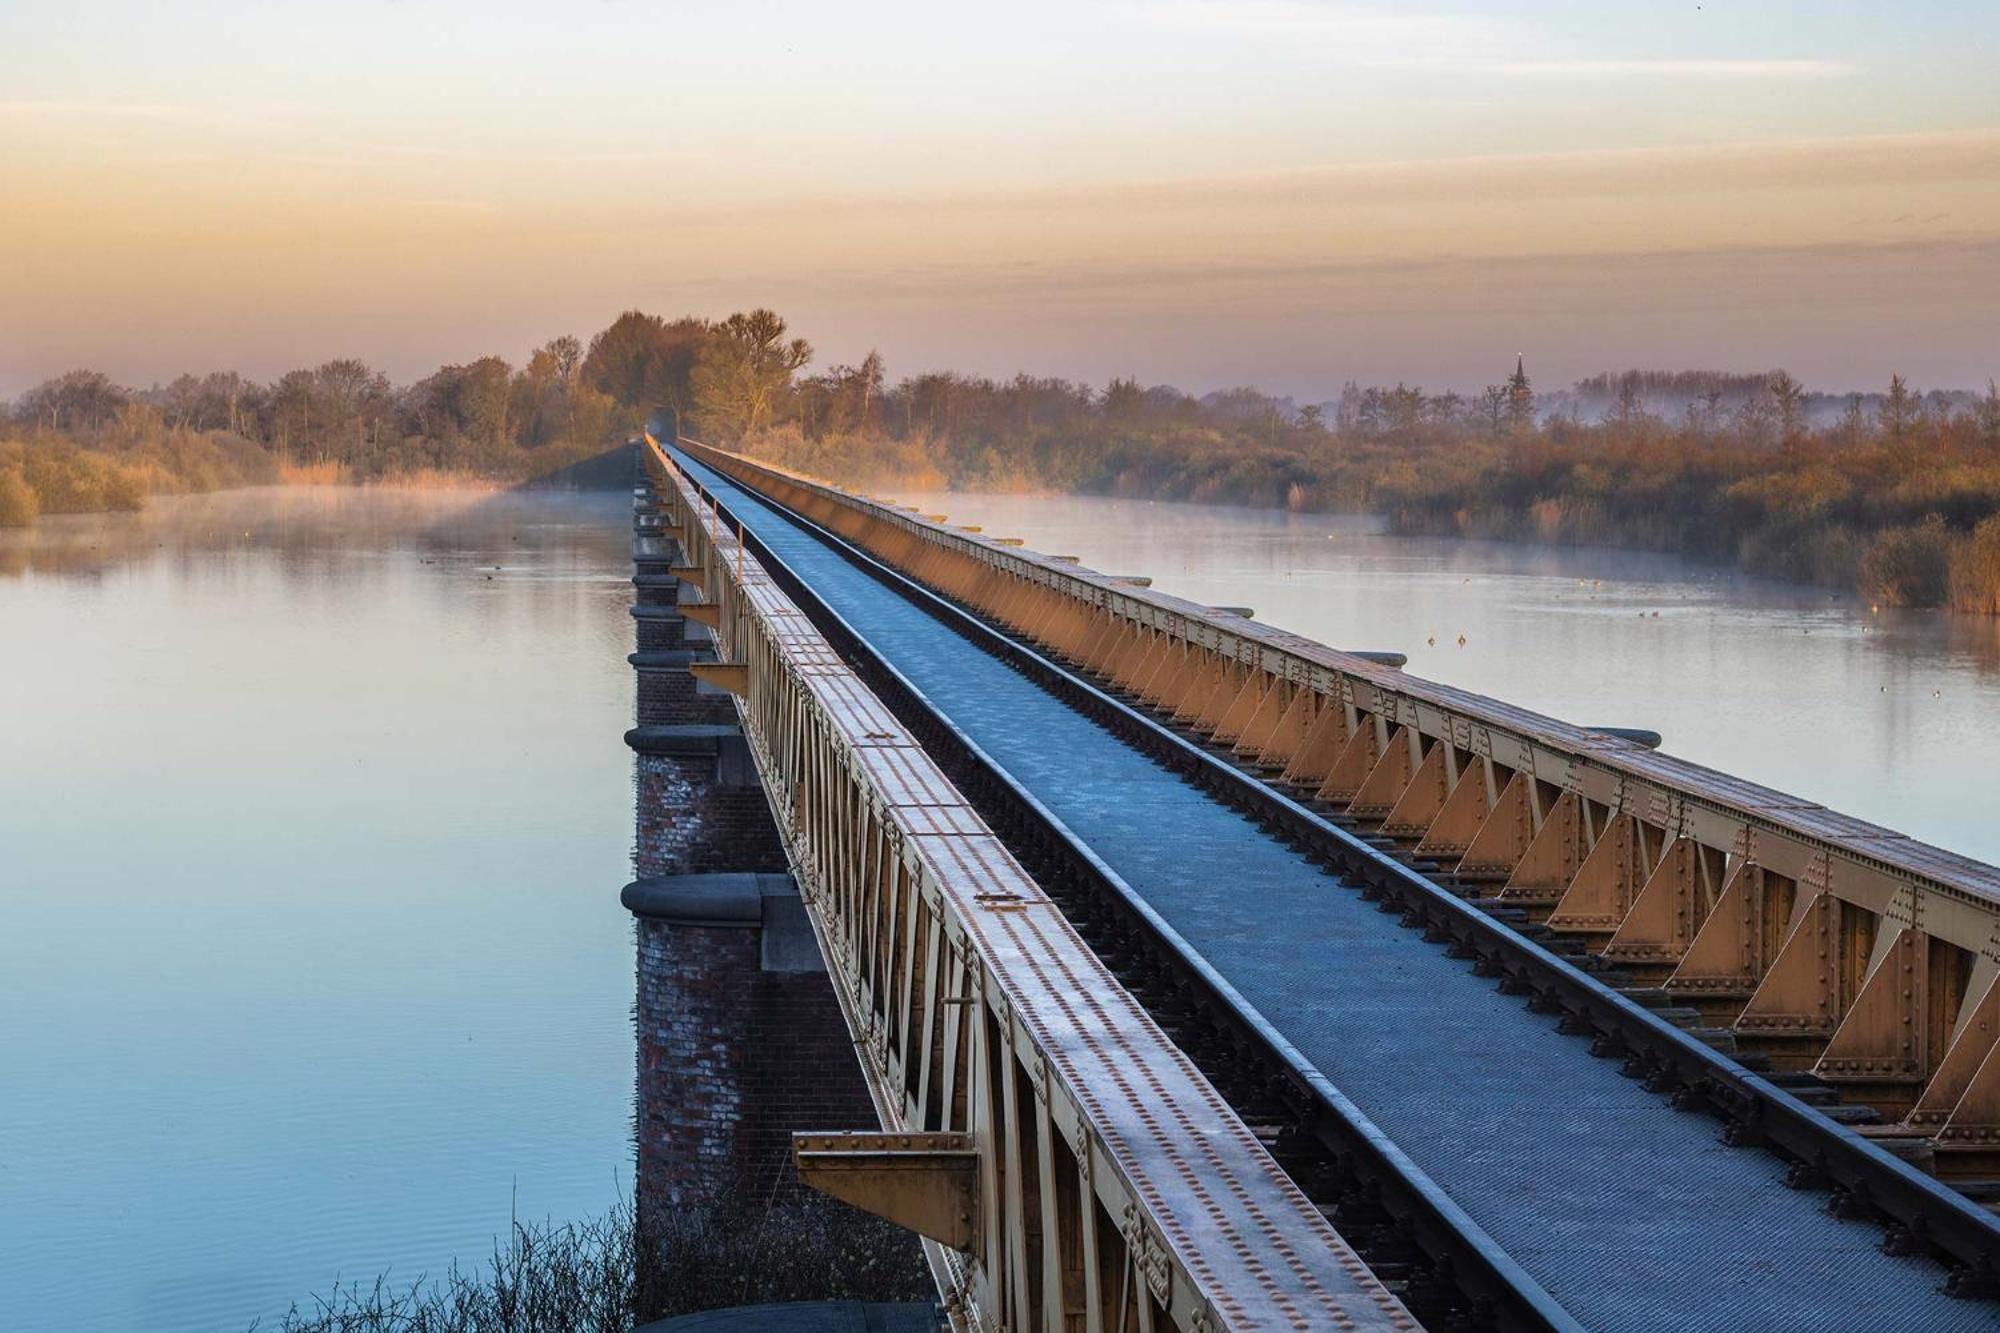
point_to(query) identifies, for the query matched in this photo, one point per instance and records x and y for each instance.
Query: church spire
(1520, 396)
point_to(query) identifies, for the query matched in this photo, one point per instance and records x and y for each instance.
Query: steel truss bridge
(1208, 977)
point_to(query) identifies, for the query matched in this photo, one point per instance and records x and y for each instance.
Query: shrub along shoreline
(603, 1275)
(1895, 495)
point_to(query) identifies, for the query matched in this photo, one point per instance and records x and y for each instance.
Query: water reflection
(302, 529)
(312, 817)
(1892, 716)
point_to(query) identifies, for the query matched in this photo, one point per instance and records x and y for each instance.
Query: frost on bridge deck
(1248, 1236)
(1629, 1214)
(979, 1010)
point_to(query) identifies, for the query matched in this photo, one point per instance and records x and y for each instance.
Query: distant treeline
(1895, 493)
(1901, 503)
(82, 443)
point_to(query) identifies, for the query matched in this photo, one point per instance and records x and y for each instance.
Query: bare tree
(647, 364)
(1788, 396)
(744, 371)
(79, 400)
(1899, 409)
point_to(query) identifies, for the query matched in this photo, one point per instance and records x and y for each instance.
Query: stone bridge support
(740, 1040)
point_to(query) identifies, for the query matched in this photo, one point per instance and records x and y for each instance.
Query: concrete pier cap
(720, 741)
(746, 900)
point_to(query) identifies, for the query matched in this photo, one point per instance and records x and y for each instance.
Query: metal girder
(926, 1183)
(731, 676)
(978, 1012)
(1548, 749)
(1697, 881)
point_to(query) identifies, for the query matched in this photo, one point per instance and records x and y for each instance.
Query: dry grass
(438, 479)
(810, 1248)
(420, 479)
(545, 1279)
(312, 474)
(600, 1277)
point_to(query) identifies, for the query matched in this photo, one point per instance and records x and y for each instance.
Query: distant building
(1520, 398)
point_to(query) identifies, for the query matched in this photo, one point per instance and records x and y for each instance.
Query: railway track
(1446, 1265)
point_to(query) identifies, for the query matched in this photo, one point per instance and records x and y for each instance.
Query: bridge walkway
(1633, 1216)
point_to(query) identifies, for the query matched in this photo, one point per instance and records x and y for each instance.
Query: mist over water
(313, 816)
(1890, 716)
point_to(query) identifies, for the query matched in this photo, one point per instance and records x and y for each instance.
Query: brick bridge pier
(740, 1040)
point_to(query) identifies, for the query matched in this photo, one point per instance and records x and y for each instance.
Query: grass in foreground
(588, 1277)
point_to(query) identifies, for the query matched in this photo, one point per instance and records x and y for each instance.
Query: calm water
(312, 822)
(313, 816)
(1894, 717)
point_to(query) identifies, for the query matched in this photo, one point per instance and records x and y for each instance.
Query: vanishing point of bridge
(1205, 977)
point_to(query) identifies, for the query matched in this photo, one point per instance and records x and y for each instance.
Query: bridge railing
(1817, 940)
(1069, 1166)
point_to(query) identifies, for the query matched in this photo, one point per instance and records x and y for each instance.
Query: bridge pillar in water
(740, 1039)
(699, 804)
(667, 641)
(656, 592)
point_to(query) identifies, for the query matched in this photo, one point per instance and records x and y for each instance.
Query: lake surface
(313, 816)
(1891, 716)
(314, 812)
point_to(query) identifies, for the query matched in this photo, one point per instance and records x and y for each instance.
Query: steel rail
(1920, 1214)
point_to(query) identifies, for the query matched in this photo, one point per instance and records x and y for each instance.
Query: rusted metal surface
(926, 1183)
(1844, 956)
(1866, 1184)
(1115, 1188)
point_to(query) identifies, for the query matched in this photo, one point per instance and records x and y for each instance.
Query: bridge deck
(1631, 1215)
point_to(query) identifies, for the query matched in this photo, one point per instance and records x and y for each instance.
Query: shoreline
(1406, 526)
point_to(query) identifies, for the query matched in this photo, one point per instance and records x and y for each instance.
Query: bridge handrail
(977, 1009)
(1957, 897)
(1759, 1109)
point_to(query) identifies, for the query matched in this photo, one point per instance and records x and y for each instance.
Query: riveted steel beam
(979, 1013)
(1590, 823)
(926, 1183)
(731, 676)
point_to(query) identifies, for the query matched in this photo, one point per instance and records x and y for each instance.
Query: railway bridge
(1203, 977)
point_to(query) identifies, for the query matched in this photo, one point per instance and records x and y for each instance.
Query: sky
(1285, 193)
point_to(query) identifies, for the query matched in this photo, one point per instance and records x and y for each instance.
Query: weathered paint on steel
(980, 1011)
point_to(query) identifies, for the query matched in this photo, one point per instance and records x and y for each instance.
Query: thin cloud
(1364, 34)
(1439, 43)
(1896, 163)
(1662, 69)
(123, 110)
(1717, 277)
